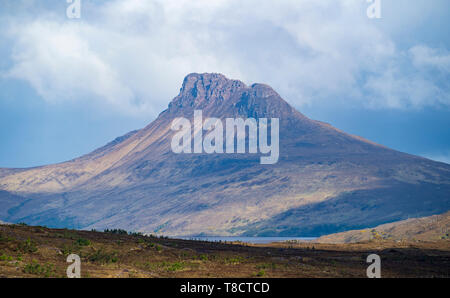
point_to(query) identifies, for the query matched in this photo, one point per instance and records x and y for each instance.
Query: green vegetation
(4, 257)
(175, 266)
(165, 266)
(66, 234)
(35, 268)
(75, 246)
(27, 246)
(67, 249)
(116, 231)
(103, 257)
(261, 273)
(234, 260)
(83, 242)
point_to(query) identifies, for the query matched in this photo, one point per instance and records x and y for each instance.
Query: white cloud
(60, 64)
(423, 56)
(133, 54)
(396, 89)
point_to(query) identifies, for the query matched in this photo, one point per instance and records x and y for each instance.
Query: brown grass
(41, 252)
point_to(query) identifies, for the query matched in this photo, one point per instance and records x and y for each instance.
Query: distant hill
(431, 228)
(325, 181)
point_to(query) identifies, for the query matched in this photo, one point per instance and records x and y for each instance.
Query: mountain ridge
(136, 182)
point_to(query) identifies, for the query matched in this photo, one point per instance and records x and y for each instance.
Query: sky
(70, 85)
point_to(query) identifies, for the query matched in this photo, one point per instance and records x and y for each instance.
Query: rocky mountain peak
(208, 86)
(217, 95)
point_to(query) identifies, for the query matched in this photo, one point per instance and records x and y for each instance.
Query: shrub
(83, 242)
(34, 267)
(261, 273)
(67, 249)
(27, 246)
(103, 257)
(235, 260)
(175, 267)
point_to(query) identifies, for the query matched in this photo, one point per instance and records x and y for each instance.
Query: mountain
(325, 180)
(430, 228)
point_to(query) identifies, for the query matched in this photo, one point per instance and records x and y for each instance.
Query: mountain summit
(325, 180)
(218, 96)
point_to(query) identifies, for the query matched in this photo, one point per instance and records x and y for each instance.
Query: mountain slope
(325, 180)
(429, 228)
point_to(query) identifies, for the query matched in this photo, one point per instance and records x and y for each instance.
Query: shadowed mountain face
(325, 180)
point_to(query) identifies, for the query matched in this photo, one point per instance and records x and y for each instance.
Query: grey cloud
(133, 54)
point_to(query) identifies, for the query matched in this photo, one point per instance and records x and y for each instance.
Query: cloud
(132, 55)
(423, 56)
(417, 78)
(60, 64)
(400, 89)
